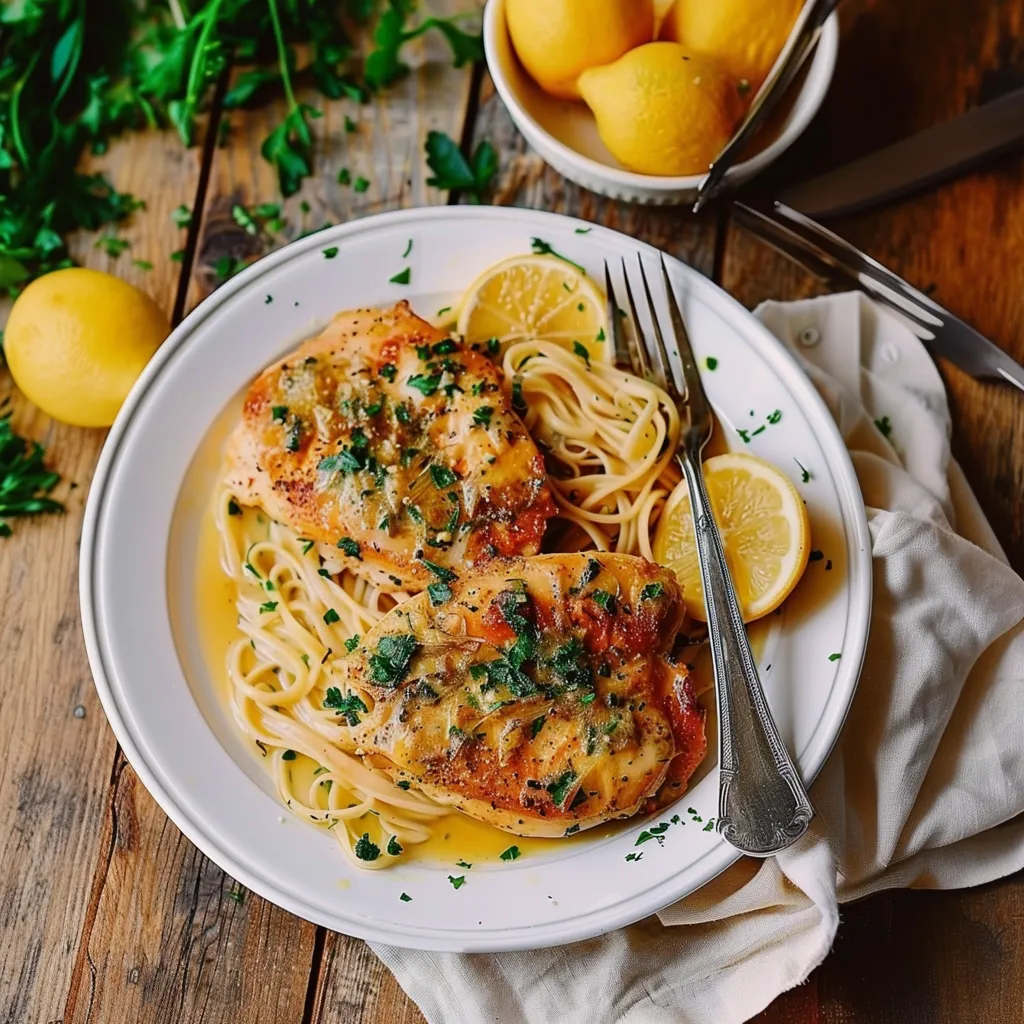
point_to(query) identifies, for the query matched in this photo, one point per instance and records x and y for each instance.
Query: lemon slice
(528, 298)
(764, 527)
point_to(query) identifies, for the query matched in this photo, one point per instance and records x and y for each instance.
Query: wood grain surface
(107, 914)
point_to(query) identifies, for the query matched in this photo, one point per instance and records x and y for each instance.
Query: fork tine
(637, 350)
(623, 355)
(695, 396)
(662, 365)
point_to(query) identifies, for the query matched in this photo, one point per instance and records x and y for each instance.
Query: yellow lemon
(525, 298)
(764, 528)
(557, 39)
(662, 110)
(745, 36)
(77, 340)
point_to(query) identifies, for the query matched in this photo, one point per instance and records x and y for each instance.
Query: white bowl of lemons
(635, 98)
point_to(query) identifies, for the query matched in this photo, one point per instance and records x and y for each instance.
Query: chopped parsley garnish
(390, 662)
(408, 249)
(288, 755)
(267, 606)
(572, 830)
(884, 425)
(278, 413)
(805, 474)
(652, 591)
(604, 600)
(293, 440)
(443, 574)
(560, 788)
(237, 894)
(330, 253)
(414, 513)
(442, 476)
(405, 898)
(526, 642)
(542, 248)
(403, 784)
(774, 417)
(600, 335)
(424, 384)
(360, 184)
(394, 847)
(834, 657)
(590, 573)
(331, 616)
(364, 849)
(568, 662)
(446, 346)
(307, 546)
(482, 415)
(581, 351)
(518, 404)
(234, 509)
(402, 277)
(536, 725)
(439, 593)
(457, 883)
(423, 353)
(493, 345)
(711, 363)
(350, 705)
(352, 643)
(350, 547)
(375, 407)
(588, 698)
(402, 413)
(463, 864)
(344, 176)
(388, 372)
(512, 853)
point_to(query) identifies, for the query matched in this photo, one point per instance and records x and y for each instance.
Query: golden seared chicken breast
(540, 695)
(391, 444)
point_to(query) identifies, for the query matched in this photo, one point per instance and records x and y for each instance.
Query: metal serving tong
(799, 46)
(838, 263)
(762, 804)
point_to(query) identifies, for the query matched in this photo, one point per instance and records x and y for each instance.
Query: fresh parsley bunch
(70, 79)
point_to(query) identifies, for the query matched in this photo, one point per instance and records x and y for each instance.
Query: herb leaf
(452, 171)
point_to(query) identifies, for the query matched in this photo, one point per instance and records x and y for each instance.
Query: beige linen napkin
(927, 774)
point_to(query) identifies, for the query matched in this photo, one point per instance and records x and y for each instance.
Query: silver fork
(762, 804)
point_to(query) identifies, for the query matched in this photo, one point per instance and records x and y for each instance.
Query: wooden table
(107, 914)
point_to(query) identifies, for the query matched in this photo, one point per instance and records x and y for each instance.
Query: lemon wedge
(764, 527)
(529, 298)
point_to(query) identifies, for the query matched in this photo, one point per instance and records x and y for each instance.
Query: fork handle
(762, 804)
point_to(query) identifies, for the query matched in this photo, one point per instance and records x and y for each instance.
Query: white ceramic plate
(140, 542)
(565, 133)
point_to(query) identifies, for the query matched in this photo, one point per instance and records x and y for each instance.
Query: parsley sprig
(25, 482)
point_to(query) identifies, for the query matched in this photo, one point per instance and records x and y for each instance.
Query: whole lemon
(557, 39)
(77, 340)
(661, 110)
(744, 35)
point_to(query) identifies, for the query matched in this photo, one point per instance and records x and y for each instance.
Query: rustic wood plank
(58, 751)
(174, 939)
(385, 147)
(925, 957)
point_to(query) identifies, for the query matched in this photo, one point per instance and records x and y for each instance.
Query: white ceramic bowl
(565, 134)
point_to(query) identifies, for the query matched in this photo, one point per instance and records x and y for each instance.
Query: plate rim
(594, 923)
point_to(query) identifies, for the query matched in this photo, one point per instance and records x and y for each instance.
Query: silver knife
(834, 260)
(924, 159)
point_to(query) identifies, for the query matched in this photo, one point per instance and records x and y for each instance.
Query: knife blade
(925, 159)
(836, 261)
